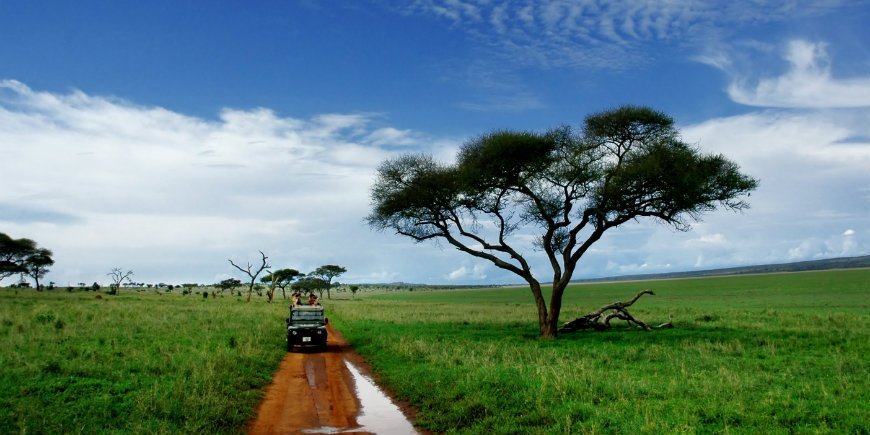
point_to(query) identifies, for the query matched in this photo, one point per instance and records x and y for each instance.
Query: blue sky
(166, 137)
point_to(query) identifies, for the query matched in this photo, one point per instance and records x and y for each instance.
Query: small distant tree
(327, 273)
(310, 284)
(36, 264)
(353, 290)
(95, 286)
(118, 276)
(228, 284)
(280, 278)
(249, 270)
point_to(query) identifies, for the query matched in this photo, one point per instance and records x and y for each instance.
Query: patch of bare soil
(315, 393)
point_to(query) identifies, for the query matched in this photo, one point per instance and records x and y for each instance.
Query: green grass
(133, 363)
(778, 353)
(751, 354)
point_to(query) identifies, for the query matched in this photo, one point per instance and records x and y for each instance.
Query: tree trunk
(271, 293)
(548, 330)
(556, 307)
(546, 326)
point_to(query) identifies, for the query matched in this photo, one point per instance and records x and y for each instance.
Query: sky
(167, 137)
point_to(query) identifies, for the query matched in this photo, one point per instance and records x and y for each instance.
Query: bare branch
(253, 275)
(600, 318)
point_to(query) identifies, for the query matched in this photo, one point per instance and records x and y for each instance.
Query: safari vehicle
(306, 327)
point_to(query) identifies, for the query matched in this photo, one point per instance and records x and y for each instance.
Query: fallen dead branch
(600, 319)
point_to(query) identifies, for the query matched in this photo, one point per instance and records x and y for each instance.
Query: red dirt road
(312, 393)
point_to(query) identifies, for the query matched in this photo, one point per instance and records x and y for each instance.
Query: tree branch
(598, 320)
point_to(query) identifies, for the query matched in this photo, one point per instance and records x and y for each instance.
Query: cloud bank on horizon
(107, 182)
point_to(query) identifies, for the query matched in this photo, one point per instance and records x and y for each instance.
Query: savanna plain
(776, 353)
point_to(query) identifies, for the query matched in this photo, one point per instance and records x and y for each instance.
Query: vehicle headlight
(294, 332)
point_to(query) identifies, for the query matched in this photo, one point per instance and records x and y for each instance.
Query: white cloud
(807, 84)
(172, 196)
(709, 239)
(476, 272)
(845, 245)
(104, 183)
(390, 136)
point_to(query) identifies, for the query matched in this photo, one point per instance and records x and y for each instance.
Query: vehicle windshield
(306, 316)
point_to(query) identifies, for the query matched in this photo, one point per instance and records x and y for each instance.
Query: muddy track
(316, 393)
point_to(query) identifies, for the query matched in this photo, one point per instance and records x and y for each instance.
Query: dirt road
(317, 393)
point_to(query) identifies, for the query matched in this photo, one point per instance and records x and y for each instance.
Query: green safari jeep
(306, 327)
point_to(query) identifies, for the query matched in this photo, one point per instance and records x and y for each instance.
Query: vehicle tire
(289, 345)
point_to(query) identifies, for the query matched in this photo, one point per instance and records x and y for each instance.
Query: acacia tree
(13, 252)
(249, 270)
(281, 278)
(228, 284)
(118, 277)
(311, 284)
(36, 264)
(570, 188)
(24, 257)
(327, 273)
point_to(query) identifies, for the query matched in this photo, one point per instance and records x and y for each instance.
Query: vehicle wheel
(289, 345)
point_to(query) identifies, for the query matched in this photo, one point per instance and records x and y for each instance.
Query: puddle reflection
(378, 414)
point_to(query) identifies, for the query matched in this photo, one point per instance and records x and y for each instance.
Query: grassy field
(753, 354)
(133, 363)
(779, 353)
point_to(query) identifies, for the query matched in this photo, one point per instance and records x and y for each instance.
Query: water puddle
(378, 414)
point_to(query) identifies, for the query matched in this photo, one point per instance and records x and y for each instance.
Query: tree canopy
(310, 284)
(229, 284)
(568, 187)
(282, 278)
(327, 273)
(23, 257)
(12, 254)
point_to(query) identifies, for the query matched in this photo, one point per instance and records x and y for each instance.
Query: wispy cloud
(599, 33)
(464, 272)
(808, 83)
